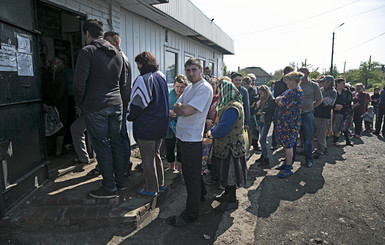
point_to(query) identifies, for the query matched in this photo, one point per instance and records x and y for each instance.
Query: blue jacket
(151, 122)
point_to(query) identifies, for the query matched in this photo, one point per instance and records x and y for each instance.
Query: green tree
(369, 73)
(224, 69)
(278, 74)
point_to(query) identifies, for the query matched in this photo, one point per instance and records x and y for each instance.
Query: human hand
(338, 107)
(209, 123)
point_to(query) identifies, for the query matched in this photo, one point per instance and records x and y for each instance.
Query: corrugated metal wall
(140, 34)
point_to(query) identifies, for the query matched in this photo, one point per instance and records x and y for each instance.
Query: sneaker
(282, 166)
(161, 188)
(336, 144)
(376, 133)
(121, 187)
(223, 197)
(274, 147)
(317, 155)
(349, 143)
(285, 173)
(309, 164)
(223, 207)
(139, 166)
(103, 193)
(143, 192)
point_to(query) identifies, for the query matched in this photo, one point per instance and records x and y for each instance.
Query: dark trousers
(379, 118)
(191, 166)
(357, 119)
(170, 155)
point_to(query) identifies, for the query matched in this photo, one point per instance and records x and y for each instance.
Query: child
(368, 119)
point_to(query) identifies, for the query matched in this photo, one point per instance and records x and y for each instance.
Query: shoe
(161, 188)
(259, 149)
(325, 151)
(77, 161)
(223, 197)
(349, 143)
(139, 166)
(357, 136)
(309, 164)
(121, 187)
(366, 131)
(94, 172)
(383, 134)
(176, 221)
(221, 187)
(259, 159)
(143, 192)
(317, 155)
(282, 166)
(286, 173)
(103, 193)
(273, 148)
(376, 133)
(223, 207)
(336, 144)
(171, 166)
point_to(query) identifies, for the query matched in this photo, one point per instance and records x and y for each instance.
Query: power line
(366, 41)
(298, 21)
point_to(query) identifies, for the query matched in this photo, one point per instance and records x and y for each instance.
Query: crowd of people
(229, 112)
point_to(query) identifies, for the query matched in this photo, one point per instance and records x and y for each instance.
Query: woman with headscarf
(229, 144)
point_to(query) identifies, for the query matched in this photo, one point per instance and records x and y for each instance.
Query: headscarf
(228, 92)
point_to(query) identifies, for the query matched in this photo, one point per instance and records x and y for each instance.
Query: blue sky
(271, 34)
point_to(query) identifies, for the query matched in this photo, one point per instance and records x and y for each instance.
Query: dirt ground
(340, 200)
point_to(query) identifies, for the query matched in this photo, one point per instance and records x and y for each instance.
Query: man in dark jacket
(99, 88)
(322, 113)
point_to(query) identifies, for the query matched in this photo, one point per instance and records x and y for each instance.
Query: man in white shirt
(192, 108)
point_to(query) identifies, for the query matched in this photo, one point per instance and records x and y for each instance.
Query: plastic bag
(52, 121)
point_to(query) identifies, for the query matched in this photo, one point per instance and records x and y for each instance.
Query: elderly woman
(180, 83)
(266, 107)
(149, 111)
(229, 144)
(289, 119)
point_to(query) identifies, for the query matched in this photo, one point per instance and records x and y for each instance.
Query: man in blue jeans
(312, 97)
(100, 88)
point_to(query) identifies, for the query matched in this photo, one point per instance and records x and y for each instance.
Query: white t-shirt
(199, 96)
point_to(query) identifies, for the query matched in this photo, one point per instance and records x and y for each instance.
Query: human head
(93, 29)
(287, 70)
(247, 82)
(193, 70)
(370, 108)
(113, 38)
(180, 83)
(305, 71)
(327, 81)
(253, 77)
(272, 84)
(207, 71)
(236, 79)
(214, 83)
(293, 76)
(57, 65)
(146, 63)
(359, 87)
(221, 79)
(377, 90)
(264, 92)
(340, 82)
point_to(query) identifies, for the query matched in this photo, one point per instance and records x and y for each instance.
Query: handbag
(52, 121)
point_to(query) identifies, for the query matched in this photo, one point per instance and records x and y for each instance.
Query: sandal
(143, 192)
(176, 221)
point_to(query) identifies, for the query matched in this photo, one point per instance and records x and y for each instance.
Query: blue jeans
(264, 130)
(126, 143)
(104, 127)
(307, 133)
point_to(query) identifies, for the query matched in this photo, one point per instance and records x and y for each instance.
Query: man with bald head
(312, 97)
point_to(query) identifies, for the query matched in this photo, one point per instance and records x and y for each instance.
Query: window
(212, 65)
(171, 65)
(203, 60)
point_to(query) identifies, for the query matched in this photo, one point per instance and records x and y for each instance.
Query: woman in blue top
(289, 118)
(180, 83)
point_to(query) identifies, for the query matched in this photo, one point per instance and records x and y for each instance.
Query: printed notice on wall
(24, 56)
(24, 64)
(8, 57)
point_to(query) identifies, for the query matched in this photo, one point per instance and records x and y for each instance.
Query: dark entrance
(29, 30)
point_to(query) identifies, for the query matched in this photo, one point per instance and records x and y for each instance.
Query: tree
(369, 73)
(278, 74)
(224, 69)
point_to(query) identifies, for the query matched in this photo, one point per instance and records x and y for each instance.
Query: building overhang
(184, 18)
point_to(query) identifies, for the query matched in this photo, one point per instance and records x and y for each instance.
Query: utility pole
(367, 73)
(344, 67)
(331, 65)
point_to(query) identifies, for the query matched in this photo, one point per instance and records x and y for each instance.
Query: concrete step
(64, 204)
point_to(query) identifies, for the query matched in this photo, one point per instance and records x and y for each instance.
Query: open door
(22, 133)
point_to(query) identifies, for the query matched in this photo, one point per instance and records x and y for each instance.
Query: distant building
(262, 76)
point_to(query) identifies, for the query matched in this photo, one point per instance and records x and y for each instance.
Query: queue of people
(230, 111)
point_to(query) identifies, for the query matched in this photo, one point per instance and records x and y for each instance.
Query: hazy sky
(273, 33)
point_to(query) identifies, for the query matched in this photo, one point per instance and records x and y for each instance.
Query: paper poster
(8, 57)
(24, 64)
(23, 44)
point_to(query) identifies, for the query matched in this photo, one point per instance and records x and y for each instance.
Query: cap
(327, 78)
(370, 107)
